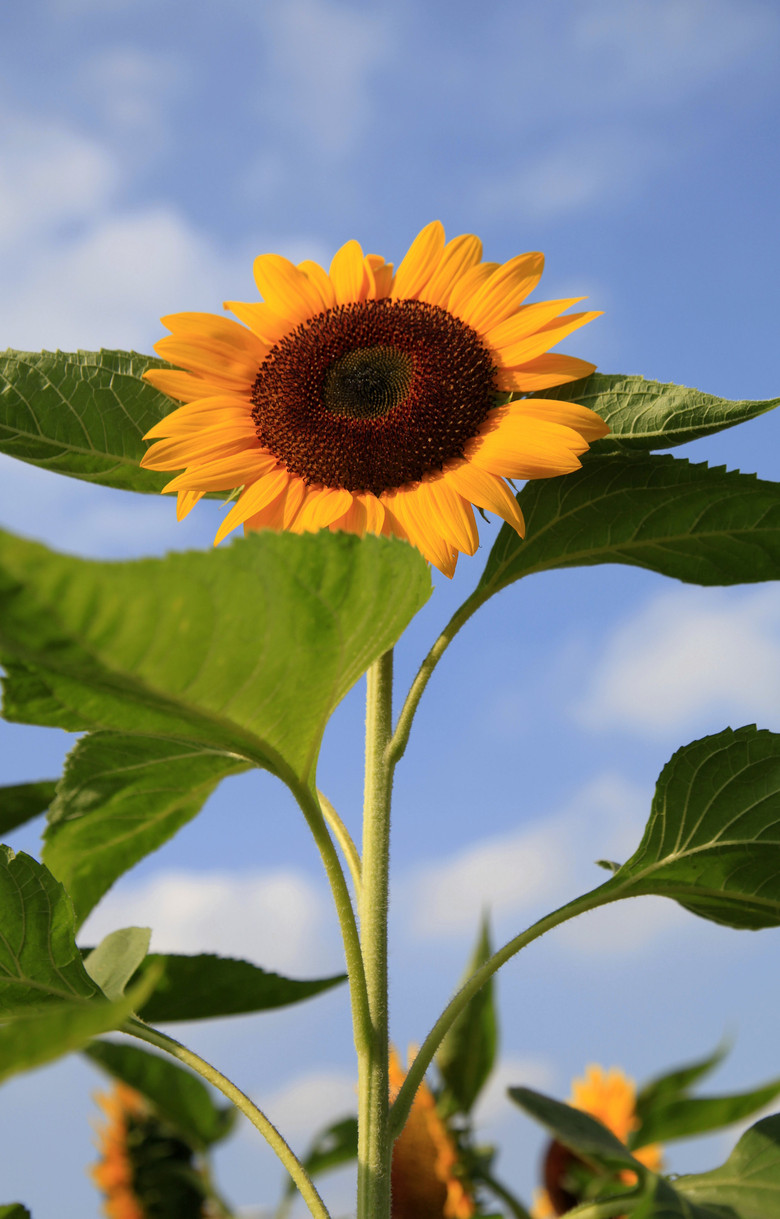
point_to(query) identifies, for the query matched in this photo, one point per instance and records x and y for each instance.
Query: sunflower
(423, 1178)
(372, 401)
(609, 1096)
(146, 1170)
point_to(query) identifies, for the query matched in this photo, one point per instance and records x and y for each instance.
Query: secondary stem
(136, 1028)
(374, 1143)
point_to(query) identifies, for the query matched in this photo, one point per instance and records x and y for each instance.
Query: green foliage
(204, 987)
(178, 1096)
(683, 1116)
(577, 1130)
(82, 414)
(14, 1211)
(39, 960)
(713, 838)
(677, 1082)
(121, 797)
(646, 415)
(247, 650)
(20, 802)
(749, 1182)
(467, 1054)
(118, 955)
(698, 524)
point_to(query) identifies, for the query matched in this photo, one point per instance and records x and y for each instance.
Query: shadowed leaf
(20, 802)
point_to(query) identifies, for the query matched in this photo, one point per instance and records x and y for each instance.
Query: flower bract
(374, 400)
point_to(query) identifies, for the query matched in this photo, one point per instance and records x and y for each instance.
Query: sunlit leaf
(206, 986)
(176, 1094)
(247, 649)
(713, 838)
(120, 798)
(466, 1056)
(117, 957)
(698, 524)
(20, 802)
(646, 415)
(749, 1182)
(81, 413)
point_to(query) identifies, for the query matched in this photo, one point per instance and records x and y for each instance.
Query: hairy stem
(374, 1143)
(345, 841)
(136, 1028)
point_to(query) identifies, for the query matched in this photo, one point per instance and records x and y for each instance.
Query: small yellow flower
(369, 400)
(113, 1175)
(609, 1096)
(423, 1178)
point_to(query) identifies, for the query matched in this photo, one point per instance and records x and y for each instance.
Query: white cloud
(322, 59)
(131, 89)
(540, 866)
(493, 1106)
(625, 927)
(687, 656)
(278, 920)
(309, 1102)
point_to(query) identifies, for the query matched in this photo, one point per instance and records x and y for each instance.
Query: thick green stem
(403, 1102)
(374, 1143)
(137, 1028)
(361, 1015)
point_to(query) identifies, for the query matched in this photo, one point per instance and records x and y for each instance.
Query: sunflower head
(373, 400)
(146, 1170)
(610, 1097)
(424, 1178)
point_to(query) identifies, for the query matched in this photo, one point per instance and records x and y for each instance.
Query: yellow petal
(225, 473)
(543, 372)
(420, 262)
(527, 320)
(222, 364)
(185, 502)
(459, 256)
(252, 500)
(517, 447)
(348, 274)
(506, 289)
(293, 498)
(211, 327)
(583, 420)
(515, 354)
(454, 516)
(416, 517)
(185, 386)
(321, 280)
(203, 413)
(180, 451)
(321, 506)
(287, 290)
(487, 491)
(467, 287)
(383, 275)
(265, 322)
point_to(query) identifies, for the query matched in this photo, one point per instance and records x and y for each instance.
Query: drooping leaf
(677, 1082)
(747, 1186)
(330, 1149)
(82, 413)
(20, 802)
(204, 987)
(40, 1035)
(578, 1131)
(120, 798)
(117, 957)
(247, 649)
(698, 524)
(39, 960)
(713, 838)
(646, 415)
(177, 1095)
(683, 1116)
(466, 1056)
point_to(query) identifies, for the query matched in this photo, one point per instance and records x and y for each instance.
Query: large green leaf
(646, 415)
(749, 1181)
(39, 960)
(20, 802)
(205, 986)
(696, 523)
(120, 797)
(177, 1094)
(82, 414)
(713, 838)
(247, 649)
(466, 1055)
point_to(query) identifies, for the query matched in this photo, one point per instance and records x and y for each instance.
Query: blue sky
(147, 153)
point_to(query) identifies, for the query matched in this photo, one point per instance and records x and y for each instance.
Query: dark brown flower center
(374, 395)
